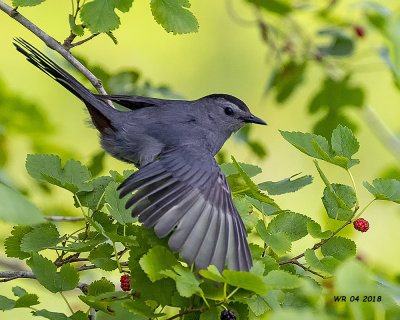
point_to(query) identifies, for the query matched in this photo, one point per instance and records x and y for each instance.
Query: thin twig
(62, 218)
(53, 44)
(186, 312)
(78, 43)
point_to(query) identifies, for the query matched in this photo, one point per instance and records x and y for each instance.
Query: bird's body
(179, 186)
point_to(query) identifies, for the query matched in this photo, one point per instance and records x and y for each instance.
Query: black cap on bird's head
(235, 108)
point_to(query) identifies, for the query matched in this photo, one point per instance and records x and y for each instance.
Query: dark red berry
(125, 285)
(228, 315)
(361, 225)
(359, 31)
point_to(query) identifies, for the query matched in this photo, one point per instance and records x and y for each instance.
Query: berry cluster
(361, 225)
(125, 285)
(228, 315)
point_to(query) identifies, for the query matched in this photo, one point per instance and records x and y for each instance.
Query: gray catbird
(179, 186)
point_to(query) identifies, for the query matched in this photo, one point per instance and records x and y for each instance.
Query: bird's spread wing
(186, 189)
(134, 102)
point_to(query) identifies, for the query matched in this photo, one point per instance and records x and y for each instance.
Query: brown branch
(53, 44)
(186, 312)
(297, 263)
(78, 43)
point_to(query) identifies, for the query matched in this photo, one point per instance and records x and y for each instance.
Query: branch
(53, 44)
(62, 218)
(186, 312)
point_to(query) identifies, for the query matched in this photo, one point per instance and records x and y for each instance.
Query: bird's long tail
(100, 112)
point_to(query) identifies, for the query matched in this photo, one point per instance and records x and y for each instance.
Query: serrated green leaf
(47, 168)
(42, 237)
(6, 303)
(174, 16)
(100, 257)
(344, 143)
(314, 229)
(99, 16)
(326, 264)
(18, 291)
(26, 3)
(15, 208)
(279, 279)
(286, 185)
(212, 273)
(100, 286)
(269, 264)
(279, 241)
(116, 206)
(258, 305)
(123, 5)
(245, 280)
(27, 300)
(157, 259)
(186, 282)
(94, 199)
(245, 210)
(306, 143)
(384, 189)
(210, 314)
(46, 273)
(229, 169)
(76, 29)
(97, 304)
(340, 248)
(291, 223)
(333, 207)
(13, 243)
(139, 307)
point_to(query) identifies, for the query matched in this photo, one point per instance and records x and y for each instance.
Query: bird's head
(228, 113)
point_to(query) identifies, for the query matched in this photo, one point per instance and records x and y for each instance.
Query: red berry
(361, 225)
(359, 31)
(125, 285)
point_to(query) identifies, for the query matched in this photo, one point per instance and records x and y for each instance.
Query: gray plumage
(179, 187)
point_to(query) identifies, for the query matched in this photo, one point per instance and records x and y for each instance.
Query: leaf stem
(232, 293)
(365, 208)
(66, 301)
(354, 186)
(204, 298)
(240, 191)
(117, 258)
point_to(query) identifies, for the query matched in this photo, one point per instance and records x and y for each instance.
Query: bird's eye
(229, 111)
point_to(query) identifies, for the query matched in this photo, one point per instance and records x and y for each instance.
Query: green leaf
(47, 168)
(123, 5)
(345, 144)
(97, 304)
(27, 300)
(314, 229)
(279, 279)
(99, 16)
(229, 169)
(279, 241)
(46, 273)
(269, 264)
(174, 16)
(96, 165)
(13, 243)
(286, 185)
(245, 280)
(210, 314)
(212, 273)
(275, 6)
(157, 259)
(186, 282)
(100, 286)
(42, 237)
(326, 264)
(385, 189)
(100, 257)
(333, 201)
(291, 223)
(139, 307)
(116, 206)
(308, 143)
(26, 3)
(245, 209)
(76, 29)
(258, 305)
(94, 199)
(340, 248)
(341, 45)
(6, 303)
(15, 208)
(18, 291)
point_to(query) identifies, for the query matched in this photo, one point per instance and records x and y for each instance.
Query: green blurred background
(225, 56)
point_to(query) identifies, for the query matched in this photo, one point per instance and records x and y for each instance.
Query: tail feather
(99, 110)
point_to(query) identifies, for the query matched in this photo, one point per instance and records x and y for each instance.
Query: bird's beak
(254, 119)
